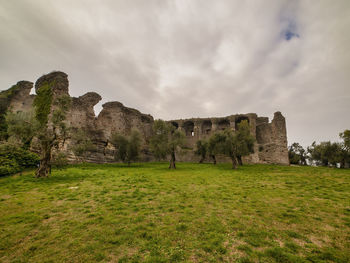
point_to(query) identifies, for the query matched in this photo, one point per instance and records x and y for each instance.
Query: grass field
(197, 213)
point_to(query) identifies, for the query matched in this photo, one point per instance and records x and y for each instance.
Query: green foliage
(8, 166)
(325, 153)
(215, 145)
(134, 146)
(50, 112)
(233, 144)
(121, 144)
(297, 154)
(21, 127)
(5, 98)
(245, 141)
(42, 103)
(201, 149)
(166, 140)
(127, 147)
(328, 153)
(345, 136)
(159, 142)
(14, 159)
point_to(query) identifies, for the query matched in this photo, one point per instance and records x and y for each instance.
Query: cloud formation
(178, 59)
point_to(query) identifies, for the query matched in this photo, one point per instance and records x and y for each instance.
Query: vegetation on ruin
(196, 213)
(50, 113)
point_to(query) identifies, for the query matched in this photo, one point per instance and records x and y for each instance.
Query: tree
(344, 156)
(201, 149)
(325, 153)
(167, 140)
(127, 147)
(82, 144)
(234, 144)
(21, 127)
(297, 154)
(245, 141)
(50, 112)
(345, 136)
(215, 145)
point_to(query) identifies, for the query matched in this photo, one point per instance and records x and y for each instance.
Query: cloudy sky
(191, 58)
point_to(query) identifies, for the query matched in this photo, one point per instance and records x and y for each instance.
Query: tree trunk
(45, 166)
(172, 161)
(342, 164)
(202, 159)
(214, 159)
(234, 162)
(239, 158)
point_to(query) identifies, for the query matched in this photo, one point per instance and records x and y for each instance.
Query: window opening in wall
(223, 124)
(189, 128)
(206, 127)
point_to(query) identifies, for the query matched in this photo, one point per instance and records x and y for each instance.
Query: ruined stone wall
(271, 138)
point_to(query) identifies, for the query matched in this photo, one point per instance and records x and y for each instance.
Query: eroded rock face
(22, 100)
(271, 138)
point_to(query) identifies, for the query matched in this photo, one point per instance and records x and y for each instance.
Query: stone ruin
(271, 137)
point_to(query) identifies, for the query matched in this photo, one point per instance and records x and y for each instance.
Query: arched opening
(223, 124)
(206, 127)
(175, 124)
(189, 128)
(239, 119)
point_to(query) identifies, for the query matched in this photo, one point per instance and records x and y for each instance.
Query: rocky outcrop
(21, 99)
(271, 137)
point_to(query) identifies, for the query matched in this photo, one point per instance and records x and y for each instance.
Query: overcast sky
(191, 58)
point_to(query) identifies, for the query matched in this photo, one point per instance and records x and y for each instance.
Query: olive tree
(201, 149)
(50, 113)
(234, 144)
(215, 145)
(167, 140)
(21, 127)
(127, 147)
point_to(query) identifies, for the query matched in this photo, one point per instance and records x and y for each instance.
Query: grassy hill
(197, 213)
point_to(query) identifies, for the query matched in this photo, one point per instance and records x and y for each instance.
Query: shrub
(8, 166)
(14, 159)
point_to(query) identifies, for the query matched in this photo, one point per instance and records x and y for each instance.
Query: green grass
(197, 213)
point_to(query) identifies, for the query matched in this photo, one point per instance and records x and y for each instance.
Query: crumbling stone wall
(271, 138)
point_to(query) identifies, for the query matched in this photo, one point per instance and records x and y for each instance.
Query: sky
(191, 58)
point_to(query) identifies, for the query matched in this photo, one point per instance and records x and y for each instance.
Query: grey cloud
(176, 59)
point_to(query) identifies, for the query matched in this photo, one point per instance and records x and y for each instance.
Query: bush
(14, 159)
(8, 166)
